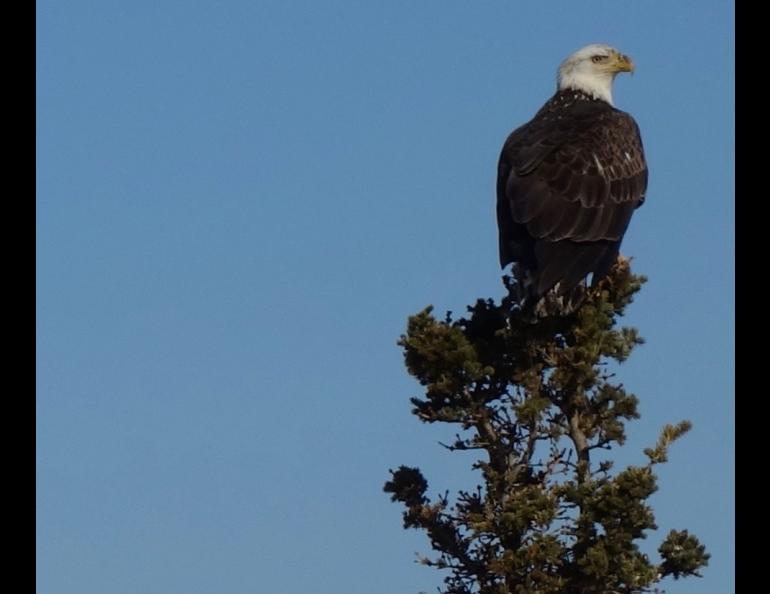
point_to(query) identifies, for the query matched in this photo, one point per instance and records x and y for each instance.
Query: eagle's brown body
(568, 182)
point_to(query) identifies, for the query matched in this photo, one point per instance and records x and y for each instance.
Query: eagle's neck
(598, 86)
(565, 98)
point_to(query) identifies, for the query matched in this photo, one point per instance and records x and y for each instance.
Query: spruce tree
(534, 397)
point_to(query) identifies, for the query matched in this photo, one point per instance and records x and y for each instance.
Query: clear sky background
(238, 205)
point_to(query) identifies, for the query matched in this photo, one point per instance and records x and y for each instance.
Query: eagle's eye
(597, 59)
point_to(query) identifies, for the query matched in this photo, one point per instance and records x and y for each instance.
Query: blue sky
(239, 204)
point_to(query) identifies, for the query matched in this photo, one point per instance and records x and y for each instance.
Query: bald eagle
(570, 179)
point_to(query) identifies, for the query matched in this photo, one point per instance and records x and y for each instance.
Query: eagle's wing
(574, 177)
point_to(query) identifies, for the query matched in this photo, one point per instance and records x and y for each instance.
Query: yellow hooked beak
(623, 63)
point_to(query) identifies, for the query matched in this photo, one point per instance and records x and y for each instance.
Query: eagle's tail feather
(568, 263)
(558, 284)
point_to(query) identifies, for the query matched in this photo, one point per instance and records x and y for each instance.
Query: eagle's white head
(592, 69)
